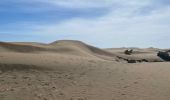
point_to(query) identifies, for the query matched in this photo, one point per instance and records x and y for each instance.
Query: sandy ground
(72, 70)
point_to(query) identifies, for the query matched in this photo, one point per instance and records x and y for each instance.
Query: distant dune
(73, 70)
(81, 49)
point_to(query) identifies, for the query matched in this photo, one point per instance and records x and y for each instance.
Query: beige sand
(72, 70)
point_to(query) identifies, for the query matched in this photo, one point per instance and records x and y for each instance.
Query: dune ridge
(64, 46)
(78, 48)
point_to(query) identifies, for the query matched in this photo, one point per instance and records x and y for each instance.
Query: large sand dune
(73, 70)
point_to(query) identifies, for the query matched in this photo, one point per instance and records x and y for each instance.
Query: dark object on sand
(128, 52)
(137, 61)
(131, 61)
(164, 55)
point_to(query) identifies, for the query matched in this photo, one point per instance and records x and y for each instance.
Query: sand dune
(20, 47)
(73, 70)
(64, 46)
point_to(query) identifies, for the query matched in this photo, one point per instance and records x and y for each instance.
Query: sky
(102, 23)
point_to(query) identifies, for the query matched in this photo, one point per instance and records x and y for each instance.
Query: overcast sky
(102, 23)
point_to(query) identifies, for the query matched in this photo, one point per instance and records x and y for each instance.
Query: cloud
(104, 23)
(46, 11)
(122, 27)
(53, 5)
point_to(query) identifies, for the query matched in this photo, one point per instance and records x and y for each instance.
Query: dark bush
(128, 52)
(164, 55)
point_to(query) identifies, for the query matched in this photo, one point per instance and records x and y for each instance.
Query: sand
(73, 70)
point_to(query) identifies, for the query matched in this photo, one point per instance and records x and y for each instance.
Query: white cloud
(123, 26)
(115, 21)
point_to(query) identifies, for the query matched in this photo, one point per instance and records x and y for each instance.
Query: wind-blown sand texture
(73, 70)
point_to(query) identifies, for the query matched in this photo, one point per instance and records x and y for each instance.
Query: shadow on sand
(20, 67)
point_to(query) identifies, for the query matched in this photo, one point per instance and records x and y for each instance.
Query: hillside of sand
(73, 70)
